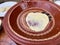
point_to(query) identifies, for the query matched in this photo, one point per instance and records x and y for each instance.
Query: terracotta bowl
(16, 28)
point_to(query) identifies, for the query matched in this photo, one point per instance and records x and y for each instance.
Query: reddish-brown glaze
(15, 25)
(4, 39)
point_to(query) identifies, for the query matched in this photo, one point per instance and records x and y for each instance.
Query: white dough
(37, 21)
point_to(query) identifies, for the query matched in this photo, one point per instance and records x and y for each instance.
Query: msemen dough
(37, 21)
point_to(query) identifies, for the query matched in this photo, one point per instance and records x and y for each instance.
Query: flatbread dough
(37, 21)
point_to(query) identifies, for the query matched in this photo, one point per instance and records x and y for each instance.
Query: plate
(4, 7)
(57, 2)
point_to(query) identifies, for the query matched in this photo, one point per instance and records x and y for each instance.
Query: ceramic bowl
(16, 28)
